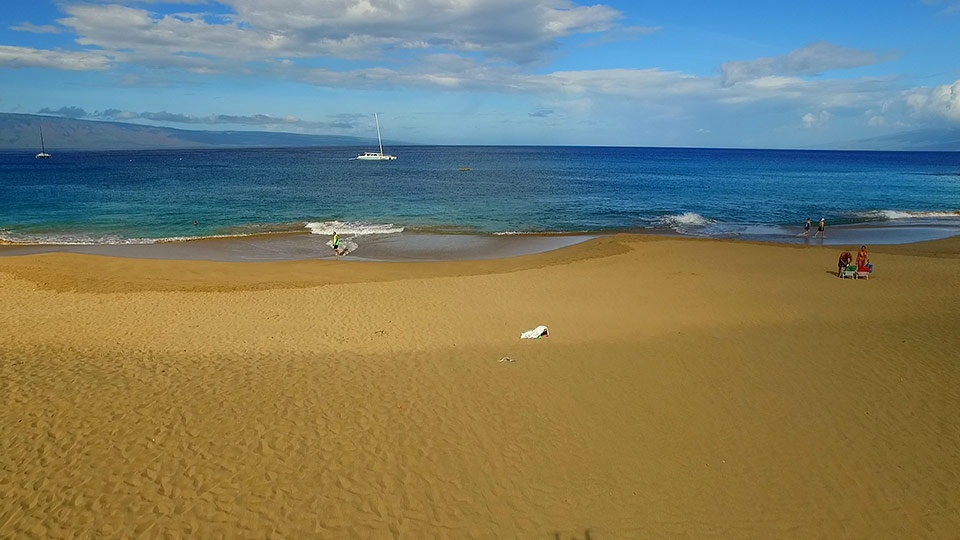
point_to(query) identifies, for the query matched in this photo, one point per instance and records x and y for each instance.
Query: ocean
(463, 194)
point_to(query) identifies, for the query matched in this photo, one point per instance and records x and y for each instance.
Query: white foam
(902, 214)
(347, 245)
(107, 240)
(68, 240)
(686, 219)
(352, 227)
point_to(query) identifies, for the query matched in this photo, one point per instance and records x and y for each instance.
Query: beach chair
(849, 272)
(864, 272)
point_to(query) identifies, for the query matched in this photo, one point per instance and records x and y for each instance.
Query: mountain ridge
(22, 131)
(920, 140)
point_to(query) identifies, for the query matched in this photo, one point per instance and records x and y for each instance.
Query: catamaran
(43, 151)
(376, 156)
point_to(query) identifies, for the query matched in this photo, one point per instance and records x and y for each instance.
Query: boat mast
(377, 118)
(43, 148)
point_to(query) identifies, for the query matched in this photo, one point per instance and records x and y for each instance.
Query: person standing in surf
(336, 243)
(820, 228)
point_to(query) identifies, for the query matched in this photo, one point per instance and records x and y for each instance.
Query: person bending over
(845, 259)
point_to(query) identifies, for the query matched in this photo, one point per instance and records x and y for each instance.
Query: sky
(745, 73)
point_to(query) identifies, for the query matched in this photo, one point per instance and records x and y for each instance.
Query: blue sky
(620, 72)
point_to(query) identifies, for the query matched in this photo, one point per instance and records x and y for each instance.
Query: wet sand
(688, 388)
(303, 246)
(433, 246)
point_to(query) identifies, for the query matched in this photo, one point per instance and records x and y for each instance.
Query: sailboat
(376, 156)
(43, 151)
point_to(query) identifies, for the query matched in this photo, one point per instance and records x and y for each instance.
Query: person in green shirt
(336, 243)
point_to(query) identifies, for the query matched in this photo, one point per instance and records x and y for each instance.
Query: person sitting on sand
(845, 259)
(863, 260)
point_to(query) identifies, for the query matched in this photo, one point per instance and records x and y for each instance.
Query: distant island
(21, 132)
(925, 140)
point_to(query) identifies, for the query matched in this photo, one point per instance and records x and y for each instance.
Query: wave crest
(686, 219)
(886, 215)
(102, 240)
(352, 227)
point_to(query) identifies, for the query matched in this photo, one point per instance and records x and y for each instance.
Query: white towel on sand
(536, 333)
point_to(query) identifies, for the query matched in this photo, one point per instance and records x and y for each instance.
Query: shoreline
(435, 247)
(396, 247)
(99, 272)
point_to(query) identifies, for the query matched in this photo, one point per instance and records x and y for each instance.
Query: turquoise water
(146, 196)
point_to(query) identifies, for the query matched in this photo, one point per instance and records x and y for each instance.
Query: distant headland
(21, 131)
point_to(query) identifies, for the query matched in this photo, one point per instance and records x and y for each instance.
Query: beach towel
(536, 333)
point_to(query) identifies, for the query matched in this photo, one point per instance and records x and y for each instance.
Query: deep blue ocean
(144, 196)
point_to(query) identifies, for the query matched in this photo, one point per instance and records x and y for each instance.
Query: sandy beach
(688, 388)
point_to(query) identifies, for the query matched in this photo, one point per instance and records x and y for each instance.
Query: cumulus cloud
(939, 101)
(25, 57)
(180, 118)
(518, 31)
(160, 39)
(515, 29)
(497, 46)
(818, 120)
(69, 112)
(813, 59)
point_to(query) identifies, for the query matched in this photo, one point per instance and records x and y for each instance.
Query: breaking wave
(93, 240)
(685, 219)
(358, 228)
(888, 215)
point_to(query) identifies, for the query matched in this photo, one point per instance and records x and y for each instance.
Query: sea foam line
(352, 227)
(686, 219)
(904, 214)
(105, 240)
(69, 240)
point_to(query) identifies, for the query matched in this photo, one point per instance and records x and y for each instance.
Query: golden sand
(688, 388)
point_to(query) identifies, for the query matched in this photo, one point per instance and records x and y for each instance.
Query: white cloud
(814, 121)
(810, 60)
(36, 29)
(481, 46)
(458, 73)
(25, 57)
(142, 36)
(263, 121)
(939, 101)
(518, 31)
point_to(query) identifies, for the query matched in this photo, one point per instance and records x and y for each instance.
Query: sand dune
(688, 388)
